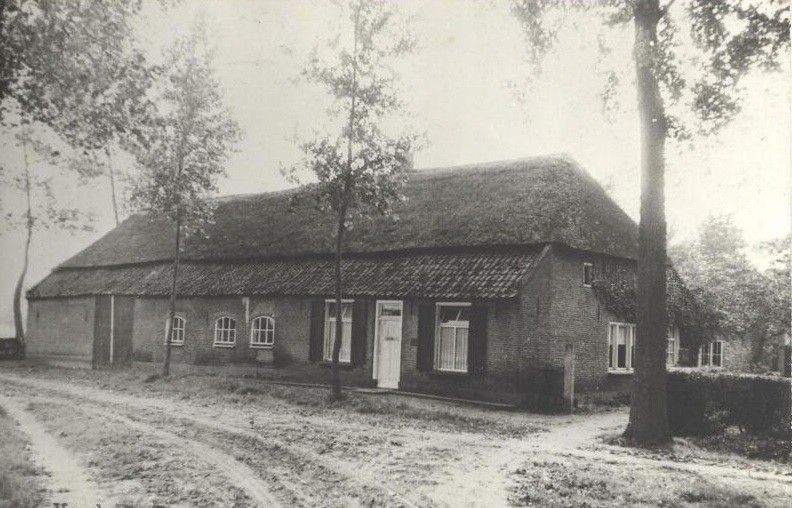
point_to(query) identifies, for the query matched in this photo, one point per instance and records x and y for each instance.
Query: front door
(389, 332)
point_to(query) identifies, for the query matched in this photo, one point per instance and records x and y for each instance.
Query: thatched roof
(461, 275)
(520, 202)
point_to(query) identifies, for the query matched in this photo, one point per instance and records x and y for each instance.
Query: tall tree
(731, 38)
(185, 151)
(73, 67)
(361, 169)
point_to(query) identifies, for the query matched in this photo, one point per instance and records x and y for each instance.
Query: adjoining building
(474, 286)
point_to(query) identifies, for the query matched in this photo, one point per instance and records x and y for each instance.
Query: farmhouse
(475, 285)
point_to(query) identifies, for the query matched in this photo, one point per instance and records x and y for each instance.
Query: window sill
(620, 372)
(450, 373)
(261, 346)
(223, 345)
(341, 364)
(177, 344)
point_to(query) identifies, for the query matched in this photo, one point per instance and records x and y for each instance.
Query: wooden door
(389, 333)
(101, 335)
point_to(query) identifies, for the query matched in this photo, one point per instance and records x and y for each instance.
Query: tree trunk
(648, 420)
(339, 322)
(342, 215)
(172, 304)
(111, 174)
(19, 328)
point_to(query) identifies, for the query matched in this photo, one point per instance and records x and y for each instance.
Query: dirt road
(178, 449)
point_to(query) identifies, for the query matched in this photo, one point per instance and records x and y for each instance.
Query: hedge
(705, 402)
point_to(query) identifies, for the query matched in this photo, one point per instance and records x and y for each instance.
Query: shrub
(704, 402)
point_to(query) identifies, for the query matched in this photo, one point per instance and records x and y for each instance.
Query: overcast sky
(460, 86)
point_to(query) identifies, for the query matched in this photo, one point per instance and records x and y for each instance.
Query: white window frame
(182, 329)
(707, 353)
(268, 332)
(613, 361)
(219, 331)
(456, 325)
(345, 355)
(671, 354)
(673, 340)
(588, 265)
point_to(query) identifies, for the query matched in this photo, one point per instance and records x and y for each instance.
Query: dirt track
(145, 451)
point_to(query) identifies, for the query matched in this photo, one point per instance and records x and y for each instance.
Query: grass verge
(20, 483)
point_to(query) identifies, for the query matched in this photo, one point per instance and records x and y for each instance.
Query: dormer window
(588, 274)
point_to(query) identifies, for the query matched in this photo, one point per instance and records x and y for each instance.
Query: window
(346, 331)
(451, 346)
(621, 347)
(588, 274)
(262, 332)
(177, 333)
(711, 354)
(225, 332)
(671, 352)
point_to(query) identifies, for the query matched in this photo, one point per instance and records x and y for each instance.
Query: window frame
(709, 353)
(436, 360)
(613, 353)
(183, 330)
(266, 344)
(587, 265)
(329, 324)
(217, 329)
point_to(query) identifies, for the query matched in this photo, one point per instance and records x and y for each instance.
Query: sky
(469, 88)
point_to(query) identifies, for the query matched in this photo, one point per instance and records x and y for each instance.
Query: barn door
(123, 316)
(101, 335)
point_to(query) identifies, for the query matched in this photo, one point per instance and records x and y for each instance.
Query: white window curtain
(330, 330)
(451, 344)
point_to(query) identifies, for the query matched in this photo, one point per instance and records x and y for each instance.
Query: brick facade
(524, 334)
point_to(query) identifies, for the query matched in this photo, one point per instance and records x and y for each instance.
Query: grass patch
(578, 483)
(767, 448)
(20, 485)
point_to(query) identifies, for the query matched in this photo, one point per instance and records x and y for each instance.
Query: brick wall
(574, 315)
(61, 327)
(292, 328)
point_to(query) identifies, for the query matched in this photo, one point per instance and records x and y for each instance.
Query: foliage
(361, 169)
(703, 402)
(72, 65)
(187, 145)
(739, 300)
(724, 41)
(185, 149)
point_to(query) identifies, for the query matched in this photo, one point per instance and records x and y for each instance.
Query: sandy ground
(174, 448)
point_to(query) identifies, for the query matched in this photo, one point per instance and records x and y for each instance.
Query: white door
(389, 332)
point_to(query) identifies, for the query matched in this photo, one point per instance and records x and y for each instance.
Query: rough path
(67, 481)
(417, 467)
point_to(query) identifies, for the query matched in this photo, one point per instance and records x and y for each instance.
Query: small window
(346, 331)
(671, 352)
(262, 332)
(621, 347)
(177, 333)
(588, 274)
(451, 346)
(225, 332)
(711, 354)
